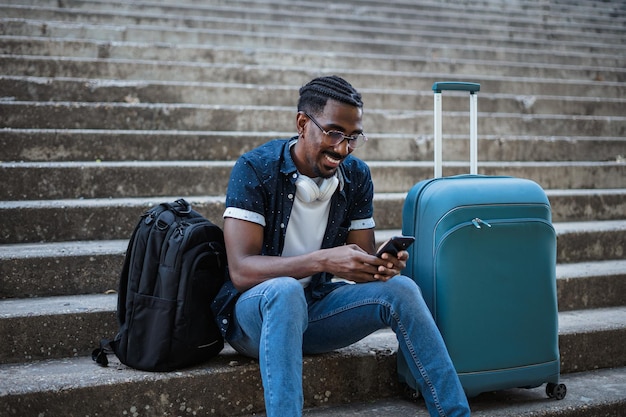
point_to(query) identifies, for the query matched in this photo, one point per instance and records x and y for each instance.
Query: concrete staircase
(110, 107)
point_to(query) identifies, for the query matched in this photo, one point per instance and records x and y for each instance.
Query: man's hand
(393, 265)
(353, 263)
(350, 262)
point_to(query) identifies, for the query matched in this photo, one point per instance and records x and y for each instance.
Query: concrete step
(521, 7)
(29, 89)
(472, 22)
(600, 327)
(431, 41)
(230, 383)
(589, 394)
(66, 326)
(79, 115)
(401, 176)
(587, 285)
(71, 180)
(21, 35)
(586, 83)
(43, 46)
(587, 241)
(529, 10)
(48, 145)
(89, 267)
(61, 268)
(97, 219)
(91, 219)
(578, 205)
(380, 14)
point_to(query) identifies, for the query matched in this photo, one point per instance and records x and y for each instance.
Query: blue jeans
(277, 321)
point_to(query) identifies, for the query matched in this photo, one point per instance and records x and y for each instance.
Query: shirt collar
(287, 165)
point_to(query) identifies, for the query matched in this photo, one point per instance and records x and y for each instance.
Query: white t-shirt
(307, 224)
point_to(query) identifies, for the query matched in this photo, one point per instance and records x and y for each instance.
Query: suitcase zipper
(477, 222)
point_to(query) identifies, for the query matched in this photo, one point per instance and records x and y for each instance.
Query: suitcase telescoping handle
(473, 88)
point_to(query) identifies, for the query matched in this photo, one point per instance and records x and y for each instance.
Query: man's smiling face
(314, 156)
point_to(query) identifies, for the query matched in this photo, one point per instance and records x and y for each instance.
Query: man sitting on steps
(299, 212)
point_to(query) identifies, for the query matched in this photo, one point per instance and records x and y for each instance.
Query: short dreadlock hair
(315, 94)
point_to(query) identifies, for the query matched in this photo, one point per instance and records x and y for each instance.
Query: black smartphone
(395, 245)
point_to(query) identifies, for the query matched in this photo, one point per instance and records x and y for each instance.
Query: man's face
(314, 156)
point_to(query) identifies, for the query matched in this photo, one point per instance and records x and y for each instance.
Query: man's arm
(247, 267)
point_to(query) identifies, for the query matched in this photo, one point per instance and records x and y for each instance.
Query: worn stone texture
(109, 108)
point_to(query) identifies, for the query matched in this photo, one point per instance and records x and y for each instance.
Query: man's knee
(287, 292)
(405, 290)
(404, 284)
(284, 286)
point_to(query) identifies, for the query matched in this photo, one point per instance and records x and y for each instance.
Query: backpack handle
(180, 206)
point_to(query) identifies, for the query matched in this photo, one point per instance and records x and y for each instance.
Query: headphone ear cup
(327, 188)
(308, 190)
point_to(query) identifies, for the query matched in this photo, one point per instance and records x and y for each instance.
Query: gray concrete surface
(589, 394)
(105, 103)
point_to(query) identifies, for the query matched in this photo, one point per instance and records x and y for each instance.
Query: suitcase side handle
(472, 88)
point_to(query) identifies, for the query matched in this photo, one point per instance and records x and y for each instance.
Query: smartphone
(395, 245)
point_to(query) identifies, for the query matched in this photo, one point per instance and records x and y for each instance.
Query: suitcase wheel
(410, 393)
(556, 391)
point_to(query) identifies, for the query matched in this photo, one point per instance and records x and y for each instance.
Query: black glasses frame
(336, 137)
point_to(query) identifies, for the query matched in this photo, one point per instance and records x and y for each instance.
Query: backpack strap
(99, 355)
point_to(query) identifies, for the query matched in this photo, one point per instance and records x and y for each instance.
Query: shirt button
(282, 225)
(225, 321)
(295, 175)
(290, 196)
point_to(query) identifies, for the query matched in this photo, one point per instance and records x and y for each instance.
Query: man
(299, 212)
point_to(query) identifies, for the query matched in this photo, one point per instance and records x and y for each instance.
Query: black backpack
(174, 267)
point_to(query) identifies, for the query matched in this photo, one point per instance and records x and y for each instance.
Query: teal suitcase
(485, 261)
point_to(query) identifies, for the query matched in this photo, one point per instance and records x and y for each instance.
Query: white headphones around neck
(308, 191)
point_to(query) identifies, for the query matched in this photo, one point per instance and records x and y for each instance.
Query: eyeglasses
(336, 137)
